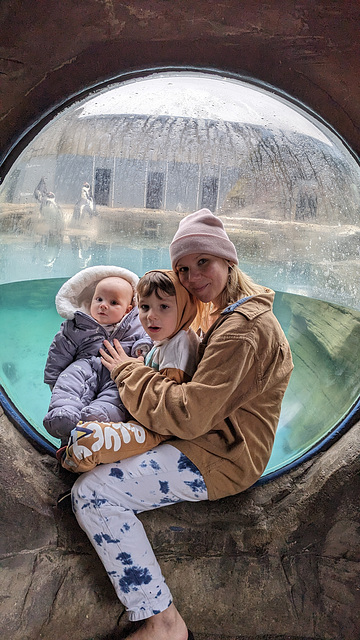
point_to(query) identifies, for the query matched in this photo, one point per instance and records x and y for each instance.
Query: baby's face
(112, 300)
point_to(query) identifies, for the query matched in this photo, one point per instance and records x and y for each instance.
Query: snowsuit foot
(83, 391)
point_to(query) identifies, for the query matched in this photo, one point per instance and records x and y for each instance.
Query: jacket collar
(252, 306)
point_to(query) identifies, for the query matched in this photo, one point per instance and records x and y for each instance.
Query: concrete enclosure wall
(310, 51)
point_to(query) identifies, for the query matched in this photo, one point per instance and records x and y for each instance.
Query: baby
(98, 303)
(166, 311)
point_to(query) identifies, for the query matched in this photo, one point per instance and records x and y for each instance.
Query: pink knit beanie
(202, 232)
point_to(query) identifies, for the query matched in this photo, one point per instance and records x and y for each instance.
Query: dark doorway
(209, 192)
(102, 186)
(306, 206)
(155, 190)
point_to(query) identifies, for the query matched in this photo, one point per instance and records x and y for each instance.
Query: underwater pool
(324, 339)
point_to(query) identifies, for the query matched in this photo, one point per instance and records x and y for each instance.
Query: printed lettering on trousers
(108, 436)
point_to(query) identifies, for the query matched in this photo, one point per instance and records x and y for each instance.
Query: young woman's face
(158, 316)
(203, 275)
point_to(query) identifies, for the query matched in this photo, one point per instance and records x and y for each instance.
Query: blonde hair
(239, 285)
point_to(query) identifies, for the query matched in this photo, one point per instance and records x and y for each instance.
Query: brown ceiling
(51, 50)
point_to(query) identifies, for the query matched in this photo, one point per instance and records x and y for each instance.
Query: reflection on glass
(124, 164)
(109, 178)
(324, 338)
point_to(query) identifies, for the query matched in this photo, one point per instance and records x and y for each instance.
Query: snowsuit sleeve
(141, 346)
(61, 353)
(132, 336)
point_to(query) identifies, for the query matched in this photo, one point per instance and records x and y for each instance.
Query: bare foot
(167, 625)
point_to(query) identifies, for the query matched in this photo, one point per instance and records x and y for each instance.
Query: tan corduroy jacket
(225, 418)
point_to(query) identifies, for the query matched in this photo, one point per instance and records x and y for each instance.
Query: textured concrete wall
(280, 560)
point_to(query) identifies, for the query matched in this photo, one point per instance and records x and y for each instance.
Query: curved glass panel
(109, 178)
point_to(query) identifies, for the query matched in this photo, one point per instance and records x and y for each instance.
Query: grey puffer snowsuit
(81, 387)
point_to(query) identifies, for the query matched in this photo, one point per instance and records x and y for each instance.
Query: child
(98, 303)
(166, 311)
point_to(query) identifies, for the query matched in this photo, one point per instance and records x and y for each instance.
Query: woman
(222, 423)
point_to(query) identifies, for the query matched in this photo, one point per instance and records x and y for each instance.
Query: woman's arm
(189, 410)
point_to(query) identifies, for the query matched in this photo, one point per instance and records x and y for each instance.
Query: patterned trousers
(106, 501)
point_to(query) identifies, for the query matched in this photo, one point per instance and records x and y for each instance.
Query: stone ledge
(281, 558)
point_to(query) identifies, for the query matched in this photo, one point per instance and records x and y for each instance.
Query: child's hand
(114, 355)
(139, 354)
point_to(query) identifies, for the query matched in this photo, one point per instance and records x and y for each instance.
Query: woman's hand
(115, 355)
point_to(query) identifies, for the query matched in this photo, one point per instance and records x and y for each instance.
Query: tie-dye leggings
(106, 501)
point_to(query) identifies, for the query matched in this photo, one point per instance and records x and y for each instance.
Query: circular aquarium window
(107, 180)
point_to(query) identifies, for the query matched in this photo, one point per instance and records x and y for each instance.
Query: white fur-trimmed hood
(77, 292)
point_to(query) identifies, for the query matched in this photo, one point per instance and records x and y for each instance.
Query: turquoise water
(324, 339)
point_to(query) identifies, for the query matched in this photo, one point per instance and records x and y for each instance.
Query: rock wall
(280, 560)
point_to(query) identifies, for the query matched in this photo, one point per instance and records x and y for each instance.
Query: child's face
(111, 300)
(158, 316)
